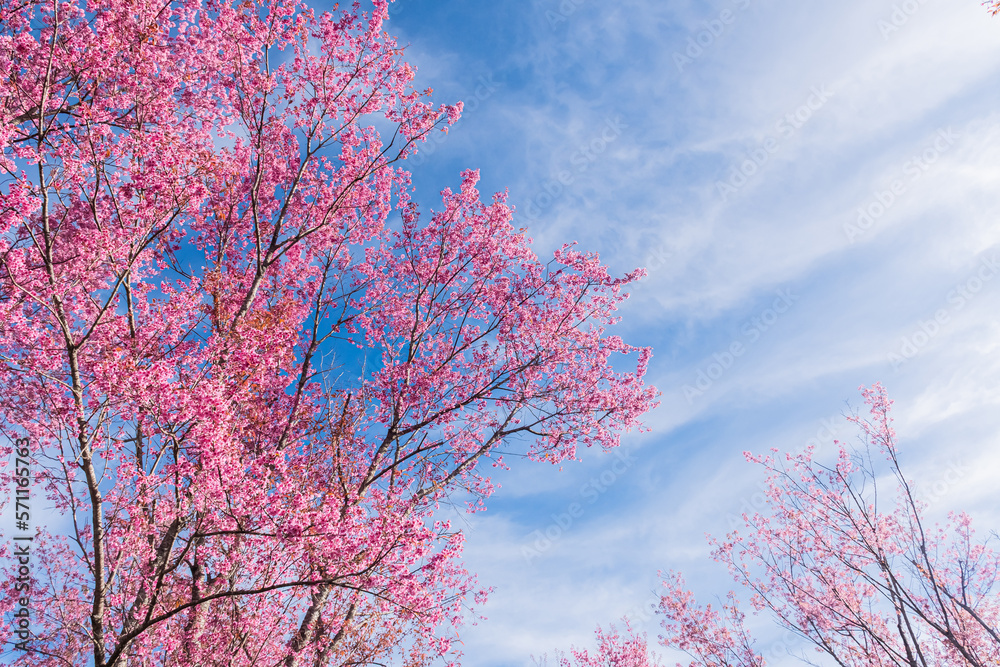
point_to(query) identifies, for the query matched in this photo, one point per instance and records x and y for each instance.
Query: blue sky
(837, 162)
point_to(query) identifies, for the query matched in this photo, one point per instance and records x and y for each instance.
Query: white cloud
(651, 196)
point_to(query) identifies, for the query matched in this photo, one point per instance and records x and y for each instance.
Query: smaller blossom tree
(613, 650)
(865, 582)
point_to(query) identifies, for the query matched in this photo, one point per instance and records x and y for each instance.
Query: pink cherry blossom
(613, 650)
(249, 369)
(855, 570)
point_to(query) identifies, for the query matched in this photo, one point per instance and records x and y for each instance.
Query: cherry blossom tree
(859, 574)
(711, 637)
(249, 371)
(613, 650)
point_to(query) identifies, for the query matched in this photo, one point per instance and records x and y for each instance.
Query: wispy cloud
(870, 160)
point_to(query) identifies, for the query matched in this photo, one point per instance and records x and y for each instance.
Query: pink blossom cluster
(613, 650)
(196, 212)
(856, 572)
